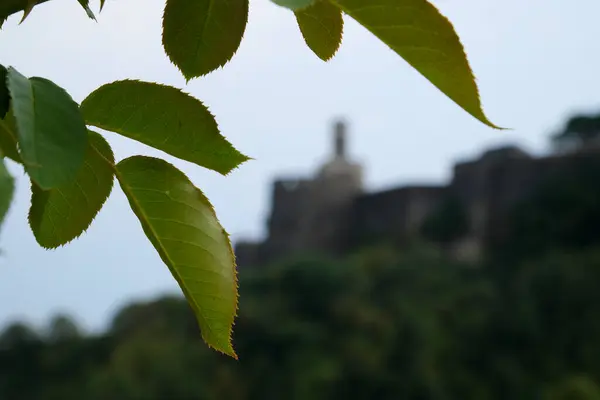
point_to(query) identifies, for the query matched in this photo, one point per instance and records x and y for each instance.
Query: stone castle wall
(330, 214)
(393, 215)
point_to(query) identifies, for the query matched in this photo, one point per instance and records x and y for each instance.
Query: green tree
(447, 223)
(381, 324)
(17, 333)
(574, 388)
(579, 131)
(562, 213)
(63, 328)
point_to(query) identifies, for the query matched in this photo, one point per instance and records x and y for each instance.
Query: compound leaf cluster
(72, 168)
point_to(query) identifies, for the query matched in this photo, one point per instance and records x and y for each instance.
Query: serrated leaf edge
(339, 43)
(244, 158)
(112, 185)
(483, 117)
(188, 78)
(169, 263)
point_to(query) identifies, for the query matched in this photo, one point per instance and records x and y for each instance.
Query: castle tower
(311, 215)
(339, 167)
(340, 140)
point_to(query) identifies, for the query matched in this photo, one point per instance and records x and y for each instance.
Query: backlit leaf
(7, 188)
(202, 35)
(321, 25)
(183, 227)
(417, 31)
(60, 215)
(294, 4)
(51, 133)
(162, 117)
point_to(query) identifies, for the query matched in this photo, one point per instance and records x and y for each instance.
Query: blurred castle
(331, 214)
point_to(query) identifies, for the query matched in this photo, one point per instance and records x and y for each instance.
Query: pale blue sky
(536, 62)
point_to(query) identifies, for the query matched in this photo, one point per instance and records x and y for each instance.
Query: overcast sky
(536, 62)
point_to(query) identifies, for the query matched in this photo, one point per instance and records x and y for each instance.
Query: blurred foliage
(447, 223)
(563, 213)
(382, 323)
(379, 325)
(578, 131)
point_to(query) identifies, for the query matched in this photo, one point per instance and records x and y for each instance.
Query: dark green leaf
(102, 4)
(28, 8)
(417, 31)
(294, 4)
(86, 6)
(7, 188)
(322, 26)
(9, 7)
(183, 227)
(202, 35)
(4, 96)
(51, 133)
(8, 141)
(162, 117)
(60, 215)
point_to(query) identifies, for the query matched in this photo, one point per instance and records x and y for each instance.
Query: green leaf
(4, 95)
(9, 7)
(322, 26)
(60, 215)
(102, 4)
(162, 117)
(417, 31)
(51, 132)
(183, 227)
(28, 8)
(202, 35)
(86, 6)
(294, 4)
(7, 188)
(8, 141)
